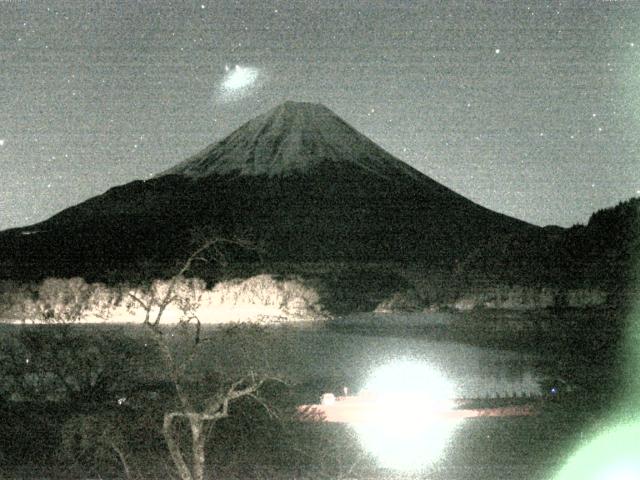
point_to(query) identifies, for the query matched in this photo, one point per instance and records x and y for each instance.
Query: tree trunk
(197, 445)
(123, 460)
(174, 448)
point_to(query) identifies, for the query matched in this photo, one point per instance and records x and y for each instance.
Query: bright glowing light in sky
(237, 81)
(406, 431)
(1, 142)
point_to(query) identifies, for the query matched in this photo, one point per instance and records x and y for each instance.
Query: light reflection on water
(409, 447)
(405, 430)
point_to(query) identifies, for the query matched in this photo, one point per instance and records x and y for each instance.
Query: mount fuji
(297, 179)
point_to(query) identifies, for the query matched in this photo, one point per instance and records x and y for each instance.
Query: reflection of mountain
(301, 180)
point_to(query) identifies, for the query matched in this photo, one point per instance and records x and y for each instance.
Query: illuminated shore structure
(409, 391)
(408, 413)
(369, 408)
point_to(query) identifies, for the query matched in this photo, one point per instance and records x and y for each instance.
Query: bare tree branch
(216, 406)
(147, 308)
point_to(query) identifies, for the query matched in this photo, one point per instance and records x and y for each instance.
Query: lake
(316, 358)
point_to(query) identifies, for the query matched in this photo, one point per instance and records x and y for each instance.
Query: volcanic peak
(292, 138)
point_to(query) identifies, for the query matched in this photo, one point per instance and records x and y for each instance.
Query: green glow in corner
(613, 455)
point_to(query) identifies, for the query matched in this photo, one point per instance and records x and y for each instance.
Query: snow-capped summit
(292, 138)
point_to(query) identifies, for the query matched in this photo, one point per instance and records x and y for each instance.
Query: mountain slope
(297, 179)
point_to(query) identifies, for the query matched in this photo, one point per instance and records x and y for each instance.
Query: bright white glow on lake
(410, 377)
(406, 429)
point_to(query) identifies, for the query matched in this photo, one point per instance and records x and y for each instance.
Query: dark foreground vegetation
(83, 401)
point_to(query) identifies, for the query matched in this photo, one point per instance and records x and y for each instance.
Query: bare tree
(199, 413)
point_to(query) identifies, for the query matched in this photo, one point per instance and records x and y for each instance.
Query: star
(1, 142)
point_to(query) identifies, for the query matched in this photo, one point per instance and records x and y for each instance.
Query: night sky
(528, 108)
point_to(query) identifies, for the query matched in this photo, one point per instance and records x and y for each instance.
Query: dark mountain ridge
(604, 253)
